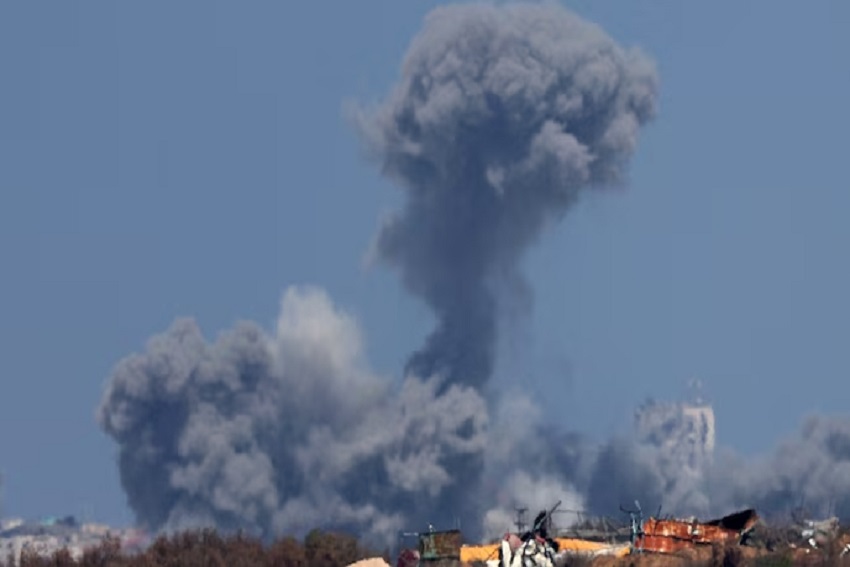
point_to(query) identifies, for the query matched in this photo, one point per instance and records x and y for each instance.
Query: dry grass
(730, 556)
(206, 548)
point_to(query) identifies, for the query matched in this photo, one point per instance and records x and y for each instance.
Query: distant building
(683, 430)
(10, 523)
(702, 432)
(52, 534)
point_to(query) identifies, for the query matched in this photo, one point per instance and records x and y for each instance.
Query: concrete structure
(684, 430)
(51, 535)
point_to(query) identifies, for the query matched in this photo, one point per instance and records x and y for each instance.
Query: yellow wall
(470, 553)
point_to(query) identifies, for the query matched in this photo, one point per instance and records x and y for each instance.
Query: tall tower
(700, 413)
(684, 431)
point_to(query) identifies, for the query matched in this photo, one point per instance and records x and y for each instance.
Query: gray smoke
(811, 469)
(528, 466)
(283, 432)
(663, 463)
(670, 462)
(502, 115)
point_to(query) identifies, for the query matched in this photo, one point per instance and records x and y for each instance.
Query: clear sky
(161, 159)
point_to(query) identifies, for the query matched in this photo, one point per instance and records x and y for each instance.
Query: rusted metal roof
(667, 536)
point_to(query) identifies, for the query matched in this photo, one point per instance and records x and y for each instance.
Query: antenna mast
(520, 519)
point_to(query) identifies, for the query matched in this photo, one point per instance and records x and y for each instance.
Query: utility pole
(520, 519)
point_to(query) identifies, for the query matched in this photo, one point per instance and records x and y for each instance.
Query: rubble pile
(733, 539)
(741, 538)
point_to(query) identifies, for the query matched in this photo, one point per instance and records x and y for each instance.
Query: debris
(820, 533)
(671, 535)
(564, 547)
(534, 552)
(536, 548)
(734, 534)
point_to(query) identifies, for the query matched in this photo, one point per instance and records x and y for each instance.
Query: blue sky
(165, 159)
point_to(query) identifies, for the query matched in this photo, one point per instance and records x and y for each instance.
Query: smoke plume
(672, 462)
(811, 469)
(501, 116)
(283, 432)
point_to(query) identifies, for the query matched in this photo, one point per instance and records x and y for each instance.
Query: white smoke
(534, 491)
